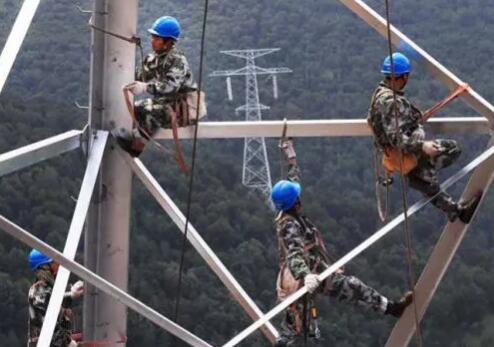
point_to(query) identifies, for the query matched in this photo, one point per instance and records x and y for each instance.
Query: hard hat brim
(155, 33)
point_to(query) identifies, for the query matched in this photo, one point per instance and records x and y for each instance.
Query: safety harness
(389, 160)
(183, 112)
(306, 318)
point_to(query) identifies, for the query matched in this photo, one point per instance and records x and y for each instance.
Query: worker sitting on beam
(303, 255)
(167, 77)
(39, 296)
(399, 134)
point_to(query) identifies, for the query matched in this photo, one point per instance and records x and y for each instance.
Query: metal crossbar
(440, 259)
(42, 150)
(200, 245)
(16, 38)
(90, 277)
(485, 159)
(318, 128)
(73, 237)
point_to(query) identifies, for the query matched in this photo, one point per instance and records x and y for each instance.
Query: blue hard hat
(166, 27)
(401, 63)
(285, 194)
(36, 259)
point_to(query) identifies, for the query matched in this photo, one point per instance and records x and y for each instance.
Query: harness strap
(178, 148)
(441, 104)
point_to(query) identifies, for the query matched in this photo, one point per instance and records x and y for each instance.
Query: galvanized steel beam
(39, 151)
(440, 259)
(73, 237)
(16, 38)
(487, 156)
(200, 245)
(400, 40)
(318, 128)
(105, 286)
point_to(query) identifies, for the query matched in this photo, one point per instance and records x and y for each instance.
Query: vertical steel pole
(107, 235)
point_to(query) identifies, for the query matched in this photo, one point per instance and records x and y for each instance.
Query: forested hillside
(335, 59)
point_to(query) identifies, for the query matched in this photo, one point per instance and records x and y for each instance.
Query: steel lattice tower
(255, 173)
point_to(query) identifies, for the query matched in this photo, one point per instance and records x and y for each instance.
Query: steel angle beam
(39, 151)
(200, 245)
(16, 38)
(409, 47)
(487, 156)
(318, 128)
(440, 260)
(100, 283)
(74, 236)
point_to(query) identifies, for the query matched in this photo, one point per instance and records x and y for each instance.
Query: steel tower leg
(107, 235)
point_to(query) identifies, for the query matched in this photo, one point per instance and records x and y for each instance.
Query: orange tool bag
(396, 161)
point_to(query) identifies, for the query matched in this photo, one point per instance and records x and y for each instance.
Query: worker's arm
(286, 145)
(291, 233)
(408, 118)
(177, 70)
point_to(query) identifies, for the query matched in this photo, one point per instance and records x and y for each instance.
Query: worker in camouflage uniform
(303, 255)
(39, 297)
(420, 158)
(165, 76)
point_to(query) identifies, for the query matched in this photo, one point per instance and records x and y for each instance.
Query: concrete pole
(107, 235)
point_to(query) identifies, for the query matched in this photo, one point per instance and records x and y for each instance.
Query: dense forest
(335, 59)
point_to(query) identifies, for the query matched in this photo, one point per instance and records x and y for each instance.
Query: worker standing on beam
(303, 255)
(399, 134)
(39, 297)
(167, 77)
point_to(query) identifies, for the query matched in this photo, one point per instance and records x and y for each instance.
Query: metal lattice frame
(482, 166)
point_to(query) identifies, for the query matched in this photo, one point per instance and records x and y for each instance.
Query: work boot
(467, 209)
(128, 142)
(396, 308)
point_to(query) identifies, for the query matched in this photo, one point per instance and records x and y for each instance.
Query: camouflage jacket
(381, 118)
(300, 244)
(39, 297)
(166, 74)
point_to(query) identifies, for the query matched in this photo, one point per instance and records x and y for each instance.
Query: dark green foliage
(335, 58)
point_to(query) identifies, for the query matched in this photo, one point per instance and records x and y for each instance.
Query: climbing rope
(382, 182)
(408, 237)
(192, 168)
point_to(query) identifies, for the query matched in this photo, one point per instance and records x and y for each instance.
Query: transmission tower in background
(256, 173)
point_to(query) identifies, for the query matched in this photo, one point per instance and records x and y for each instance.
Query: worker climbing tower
(255, 173)
(106, 188)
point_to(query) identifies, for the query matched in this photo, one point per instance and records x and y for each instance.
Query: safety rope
(192, 168)
(381, 182)
(411, 272)
(441, 104)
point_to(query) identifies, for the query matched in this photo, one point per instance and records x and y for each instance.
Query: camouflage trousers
(152, 115)
(344, 288)
(424, 177)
